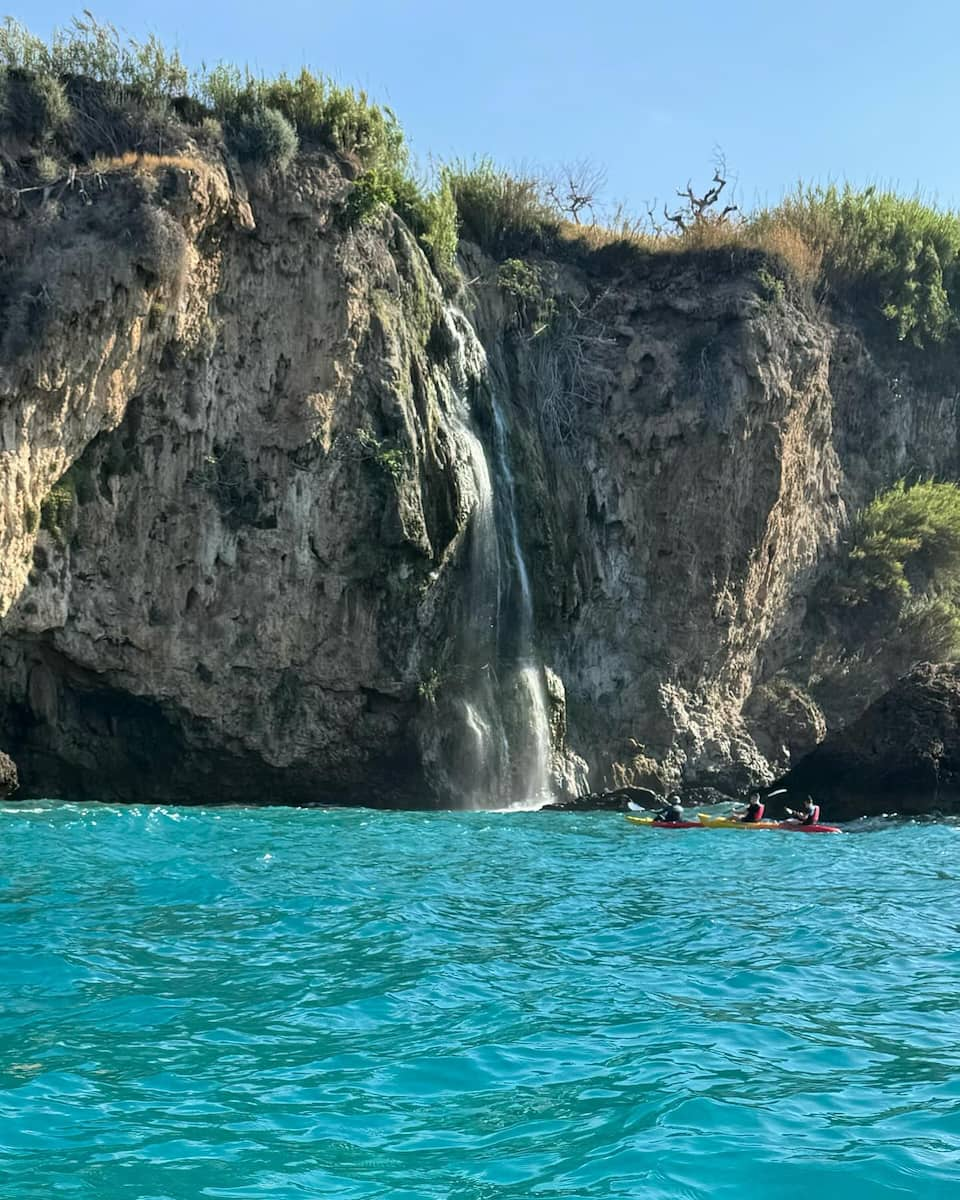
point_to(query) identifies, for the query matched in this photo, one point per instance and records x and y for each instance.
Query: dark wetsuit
(753, 814)
(810, 816)
(673, 813)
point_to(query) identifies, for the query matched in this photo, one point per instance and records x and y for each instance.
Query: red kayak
(790, 827)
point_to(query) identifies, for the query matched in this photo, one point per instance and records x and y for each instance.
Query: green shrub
(303, 101)
(351, 123)
(520, 279)
(536, 309)
(35, 107)
(320, 111)
(928, 627)
(22, 50)
(431, 215)
(368, 197)
(227, 90)
(895, 254)
(440, 234)
(907, 539)
(391, 460)
(263, 135)
(95, 50)
(900, 581)
(500, 211)
(774, 289)
(56, 508)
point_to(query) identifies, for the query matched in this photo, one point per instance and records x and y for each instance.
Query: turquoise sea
(287, 1003)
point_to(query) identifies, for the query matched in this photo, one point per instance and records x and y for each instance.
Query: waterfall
(535, 779)
(496, 751)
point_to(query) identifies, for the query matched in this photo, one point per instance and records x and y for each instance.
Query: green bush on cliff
(430, 215)
(372, 192)
(93, 50)
(263, 135)
(56, 508)
(499, 211)
(893, 254)
(319, 110)
(906, 542)
(900, 581)
(32, 106)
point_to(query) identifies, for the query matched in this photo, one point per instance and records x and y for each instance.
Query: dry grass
(770, 234)
(143, 164)
(596, 237)
(788, 243)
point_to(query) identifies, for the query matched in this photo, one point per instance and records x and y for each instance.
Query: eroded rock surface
(8, 776)
(902, 756)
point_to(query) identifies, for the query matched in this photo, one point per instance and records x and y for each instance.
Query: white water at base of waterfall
(538, 789)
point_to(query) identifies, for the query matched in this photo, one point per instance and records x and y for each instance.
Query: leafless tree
(702, 210)
(576, 188)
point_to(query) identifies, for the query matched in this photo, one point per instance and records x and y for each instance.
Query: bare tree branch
(575, 188)
(700, 210)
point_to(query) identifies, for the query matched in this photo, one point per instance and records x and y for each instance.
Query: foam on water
(286, 1003)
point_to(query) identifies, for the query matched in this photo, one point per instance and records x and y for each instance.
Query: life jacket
(755, 812)
(813, 816)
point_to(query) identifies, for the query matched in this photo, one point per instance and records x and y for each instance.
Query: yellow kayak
(730, 823)
(655, 824)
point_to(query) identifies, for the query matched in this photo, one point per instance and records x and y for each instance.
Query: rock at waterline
(620, 800)
(616, 801)
(8, 776)
(902, 755)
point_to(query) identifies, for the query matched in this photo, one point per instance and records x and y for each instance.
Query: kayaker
(753, 812)
(672, 809)
(809, 814)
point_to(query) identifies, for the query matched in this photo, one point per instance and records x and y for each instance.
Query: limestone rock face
(901, 756)
(8, 776)
(265, 491)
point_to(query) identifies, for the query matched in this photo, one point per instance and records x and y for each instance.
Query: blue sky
(820, 91)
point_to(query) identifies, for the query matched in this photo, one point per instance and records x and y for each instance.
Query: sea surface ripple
(282, 1003)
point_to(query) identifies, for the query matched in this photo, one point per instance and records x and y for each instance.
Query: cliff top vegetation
(90, 97)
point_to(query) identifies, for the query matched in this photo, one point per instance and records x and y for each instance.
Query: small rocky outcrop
(8, 776)
(902, 755)
(701, 796)
(618, 800)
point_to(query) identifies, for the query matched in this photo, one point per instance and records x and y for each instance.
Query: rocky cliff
(284, 519)
(902, 756)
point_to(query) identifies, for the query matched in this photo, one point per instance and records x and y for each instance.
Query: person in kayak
(809, 814)
(672, 809)
(753, 812)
